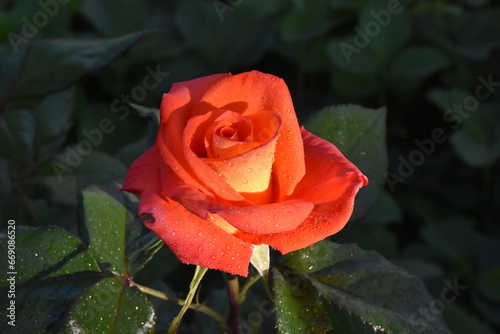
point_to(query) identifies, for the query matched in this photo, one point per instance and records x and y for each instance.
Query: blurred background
(67, 121)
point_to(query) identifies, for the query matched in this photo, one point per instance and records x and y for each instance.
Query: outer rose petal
(252, 92)
(192, 239)
(270, 218)
(139, 177)
(195, 240)
(326, 219)
(331, 182)
(329, 175)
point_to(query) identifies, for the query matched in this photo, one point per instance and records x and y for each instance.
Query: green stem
(194, 306)
(235, 304)
(242, 295)
(193, 287)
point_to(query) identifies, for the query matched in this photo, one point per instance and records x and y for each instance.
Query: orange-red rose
(231, 168)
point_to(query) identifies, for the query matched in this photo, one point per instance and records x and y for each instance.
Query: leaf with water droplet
(111, 307)
(46, 252)
(298, 308)
(105, 227)
(360, 136)
(365, 293)
(42, 304)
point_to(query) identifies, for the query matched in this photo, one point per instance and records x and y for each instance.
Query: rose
(231, 169)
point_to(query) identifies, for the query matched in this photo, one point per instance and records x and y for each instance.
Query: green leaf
(113, 20)
(445, 99)
(52, 117)
(142, 245)
(105, 227)
(43, 303)
(130, 152)
(366, 288)
(298, 309)
(386, 27)
(10, 63)
(452, 237)
(308, 20)
(355, 86)
(386, 211)
(17, 130)
(92, 167)
(462, 322)
(111, 307)
(418, 62)
(54, 64)
(489, 284)
(478, 141)
(205, 26)
(312, 258)
(53, 114)
(345, 55)
(47, 251)
(359, 133)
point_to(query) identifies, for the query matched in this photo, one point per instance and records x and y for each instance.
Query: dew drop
(200, 248)
(228, 247)
(233, 258)
(249, 170)
(213, 257)
(245, 181)
(173, 233)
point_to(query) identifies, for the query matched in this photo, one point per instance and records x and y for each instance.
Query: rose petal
(138, 178)
(270, 218)
(190, 198)
(176, 110)
(325, 219)
(251, 92)
(331, 182)
(209, 178)
(250, 172)
(192, 239)
(229, 135)
(195, 240)
(328, 173)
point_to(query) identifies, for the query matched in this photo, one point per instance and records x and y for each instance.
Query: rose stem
(234, 302)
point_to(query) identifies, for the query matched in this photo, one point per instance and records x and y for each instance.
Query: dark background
(426, 61)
